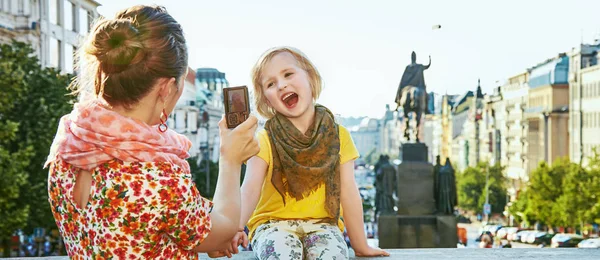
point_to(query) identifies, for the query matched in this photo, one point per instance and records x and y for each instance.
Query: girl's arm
(256, 170)
(353, 213)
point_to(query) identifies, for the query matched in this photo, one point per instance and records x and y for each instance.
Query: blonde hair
(314, 78)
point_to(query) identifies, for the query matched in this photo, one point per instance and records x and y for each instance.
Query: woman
(119, 184)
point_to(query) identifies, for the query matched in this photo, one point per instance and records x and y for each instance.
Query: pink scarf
(92, 135)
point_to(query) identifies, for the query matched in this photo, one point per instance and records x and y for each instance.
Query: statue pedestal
(427, 231)
(415, 225)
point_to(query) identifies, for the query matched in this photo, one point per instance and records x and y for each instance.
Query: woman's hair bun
(117, 45)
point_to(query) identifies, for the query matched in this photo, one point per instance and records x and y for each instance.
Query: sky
(362, 47)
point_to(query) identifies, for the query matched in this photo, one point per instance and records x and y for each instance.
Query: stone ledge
(456, 253)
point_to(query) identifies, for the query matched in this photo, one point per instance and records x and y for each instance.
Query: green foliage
(471, 187)
(13, 178)
(32, 100)
(564, 194)
(198, 170)
(545, 185)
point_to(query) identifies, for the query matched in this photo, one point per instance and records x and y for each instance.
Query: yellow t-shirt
(270, 205)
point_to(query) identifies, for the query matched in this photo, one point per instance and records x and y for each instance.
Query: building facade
(209, 95)
(496, 125)
(460, 139)
(366, 137)
(390, 133)
(515, 97)
(446, 126)
(186, 118)
(584, 101)
(54, 28)
(547, 112)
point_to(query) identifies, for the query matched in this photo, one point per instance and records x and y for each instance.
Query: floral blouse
(135, 211)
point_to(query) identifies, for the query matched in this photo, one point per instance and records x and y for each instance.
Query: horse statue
(412, 94)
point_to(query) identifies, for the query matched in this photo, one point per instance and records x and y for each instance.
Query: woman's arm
(237, 145)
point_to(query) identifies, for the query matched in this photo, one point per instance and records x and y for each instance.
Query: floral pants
(299, 239)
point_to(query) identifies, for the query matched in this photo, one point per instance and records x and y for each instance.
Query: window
(68, 57)
(21, 7)
(53, 11)
(69, 15)
(54, 53)
(84, 21)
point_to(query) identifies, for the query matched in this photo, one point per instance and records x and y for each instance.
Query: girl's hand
(370, 251)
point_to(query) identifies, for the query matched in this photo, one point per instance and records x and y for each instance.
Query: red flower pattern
(135, 211)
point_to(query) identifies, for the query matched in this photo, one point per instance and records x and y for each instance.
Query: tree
(570, 207)
(519, 208)
(592, 189)
(198, 171)
(545, 184)
(13, 175)
(579, 202)
(471, 187)
(32, 100)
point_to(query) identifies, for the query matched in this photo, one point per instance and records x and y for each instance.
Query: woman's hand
(238, 144)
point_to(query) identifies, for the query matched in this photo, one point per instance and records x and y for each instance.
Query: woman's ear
(165, 88)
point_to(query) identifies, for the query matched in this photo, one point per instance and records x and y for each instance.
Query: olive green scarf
(304, 162)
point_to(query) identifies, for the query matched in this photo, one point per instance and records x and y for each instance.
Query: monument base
(415, 188)
(428, 231)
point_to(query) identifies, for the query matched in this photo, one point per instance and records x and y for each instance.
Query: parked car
(541, 238)
(511, 231)
(505, 231)
(493, 228)
(566, 240)
(517, 236)
(589, 243)
(525, 235)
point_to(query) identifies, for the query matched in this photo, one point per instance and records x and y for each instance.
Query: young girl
(296, 186)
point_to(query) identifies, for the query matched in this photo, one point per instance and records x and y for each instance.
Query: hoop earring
(162, 127)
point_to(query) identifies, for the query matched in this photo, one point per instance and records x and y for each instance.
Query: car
(589, 243)
(566, 240)
(525, 235)
(505, 231)
(542, 238)
(517, 236)
(510, 232)
(493, 228)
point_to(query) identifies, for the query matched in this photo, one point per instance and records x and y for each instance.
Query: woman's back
(135, 210)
